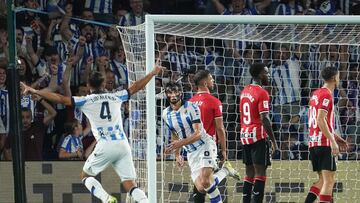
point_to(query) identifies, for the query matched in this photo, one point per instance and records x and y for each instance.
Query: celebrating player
(184, 121)
(211, 116)
(254, 116)
(103, 111)
(323, 142)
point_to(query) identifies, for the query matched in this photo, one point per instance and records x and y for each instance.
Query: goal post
(293, 30)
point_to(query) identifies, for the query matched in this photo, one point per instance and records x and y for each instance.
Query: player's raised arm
(140, 84)
(53, 97)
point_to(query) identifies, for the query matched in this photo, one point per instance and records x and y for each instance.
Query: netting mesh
(295, 54)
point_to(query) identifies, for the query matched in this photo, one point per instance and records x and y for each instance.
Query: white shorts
(117, 153)
(205, 156)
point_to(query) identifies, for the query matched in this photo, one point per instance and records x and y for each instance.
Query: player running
(103, 110)
(184, 121)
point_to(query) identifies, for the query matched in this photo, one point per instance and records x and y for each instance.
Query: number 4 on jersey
(105, 111)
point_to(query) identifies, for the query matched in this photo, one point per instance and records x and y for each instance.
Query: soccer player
(184, 121)
(323, 142)
(211, 116)
(112, 148)
(255, 129)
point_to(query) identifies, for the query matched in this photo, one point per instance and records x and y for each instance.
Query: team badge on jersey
(325, 102)
(266, 104)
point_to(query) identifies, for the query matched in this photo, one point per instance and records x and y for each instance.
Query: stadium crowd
(58, 53)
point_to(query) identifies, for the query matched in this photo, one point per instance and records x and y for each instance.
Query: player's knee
(83, 175)
(205, 183)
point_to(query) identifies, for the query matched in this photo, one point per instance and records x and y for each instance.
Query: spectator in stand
(4, 52)
(349, 114)
(102, 10)
(289, 7)
(286, 80)
(118, 67)
(4, 109)
(72, 147)
(136, 16)
(33, 133)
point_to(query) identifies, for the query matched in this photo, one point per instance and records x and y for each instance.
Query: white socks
(95, 188)
(214, 192)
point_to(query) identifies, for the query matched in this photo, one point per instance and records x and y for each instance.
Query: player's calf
(247, 189)
(214, 192)
(259, 188)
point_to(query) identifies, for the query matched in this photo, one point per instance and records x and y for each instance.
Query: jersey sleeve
(65, 144)
(78, 101)
(325, 102)
(194, 113)
(263, 102)
(122, 94)
(217, 108)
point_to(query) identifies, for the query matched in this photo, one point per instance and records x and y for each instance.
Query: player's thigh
(247, 155)
(124, 165)
(315, 160)
(326, 159)
(328, 176)
(261, 153)
(204, 157)
(98, 160)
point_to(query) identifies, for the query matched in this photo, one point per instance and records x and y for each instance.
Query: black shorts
(257, 153)
(322, 159)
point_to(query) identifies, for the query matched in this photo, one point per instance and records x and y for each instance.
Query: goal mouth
(295, 49)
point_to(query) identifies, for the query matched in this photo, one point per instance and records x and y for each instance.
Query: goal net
(295, 54)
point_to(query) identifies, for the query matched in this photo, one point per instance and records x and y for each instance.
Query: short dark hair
(96, 79)
(328, 72)
(70, 126)
(25, 109)
(201, 75)
(173, 85)
(256, 69)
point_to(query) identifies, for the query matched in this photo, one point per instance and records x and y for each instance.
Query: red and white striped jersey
(254, 100)
(320, 99)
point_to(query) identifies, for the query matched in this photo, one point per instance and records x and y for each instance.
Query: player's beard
(265, 82)
(174, 100)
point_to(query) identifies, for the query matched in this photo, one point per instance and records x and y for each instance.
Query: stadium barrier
(60, 182)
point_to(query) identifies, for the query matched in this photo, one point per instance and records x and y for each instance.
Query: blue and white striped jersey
(181, 62)
(286, 9)
(99, 6)
(121, 73)
(4, 109)
(72, 143)
(130, 19)
(286, 79)
(104, 113)
(180, 124)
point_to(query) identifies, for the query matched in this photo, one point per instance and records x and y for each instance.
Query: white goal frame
(150, 21)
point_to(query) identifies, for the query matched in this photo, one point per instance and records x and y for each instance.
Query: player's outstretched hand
(158, 68)
(179, 161)
(343, 145)
(27, 89)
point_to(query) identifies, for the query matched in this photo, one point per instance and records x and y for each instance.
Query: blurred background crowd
(57, 52)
